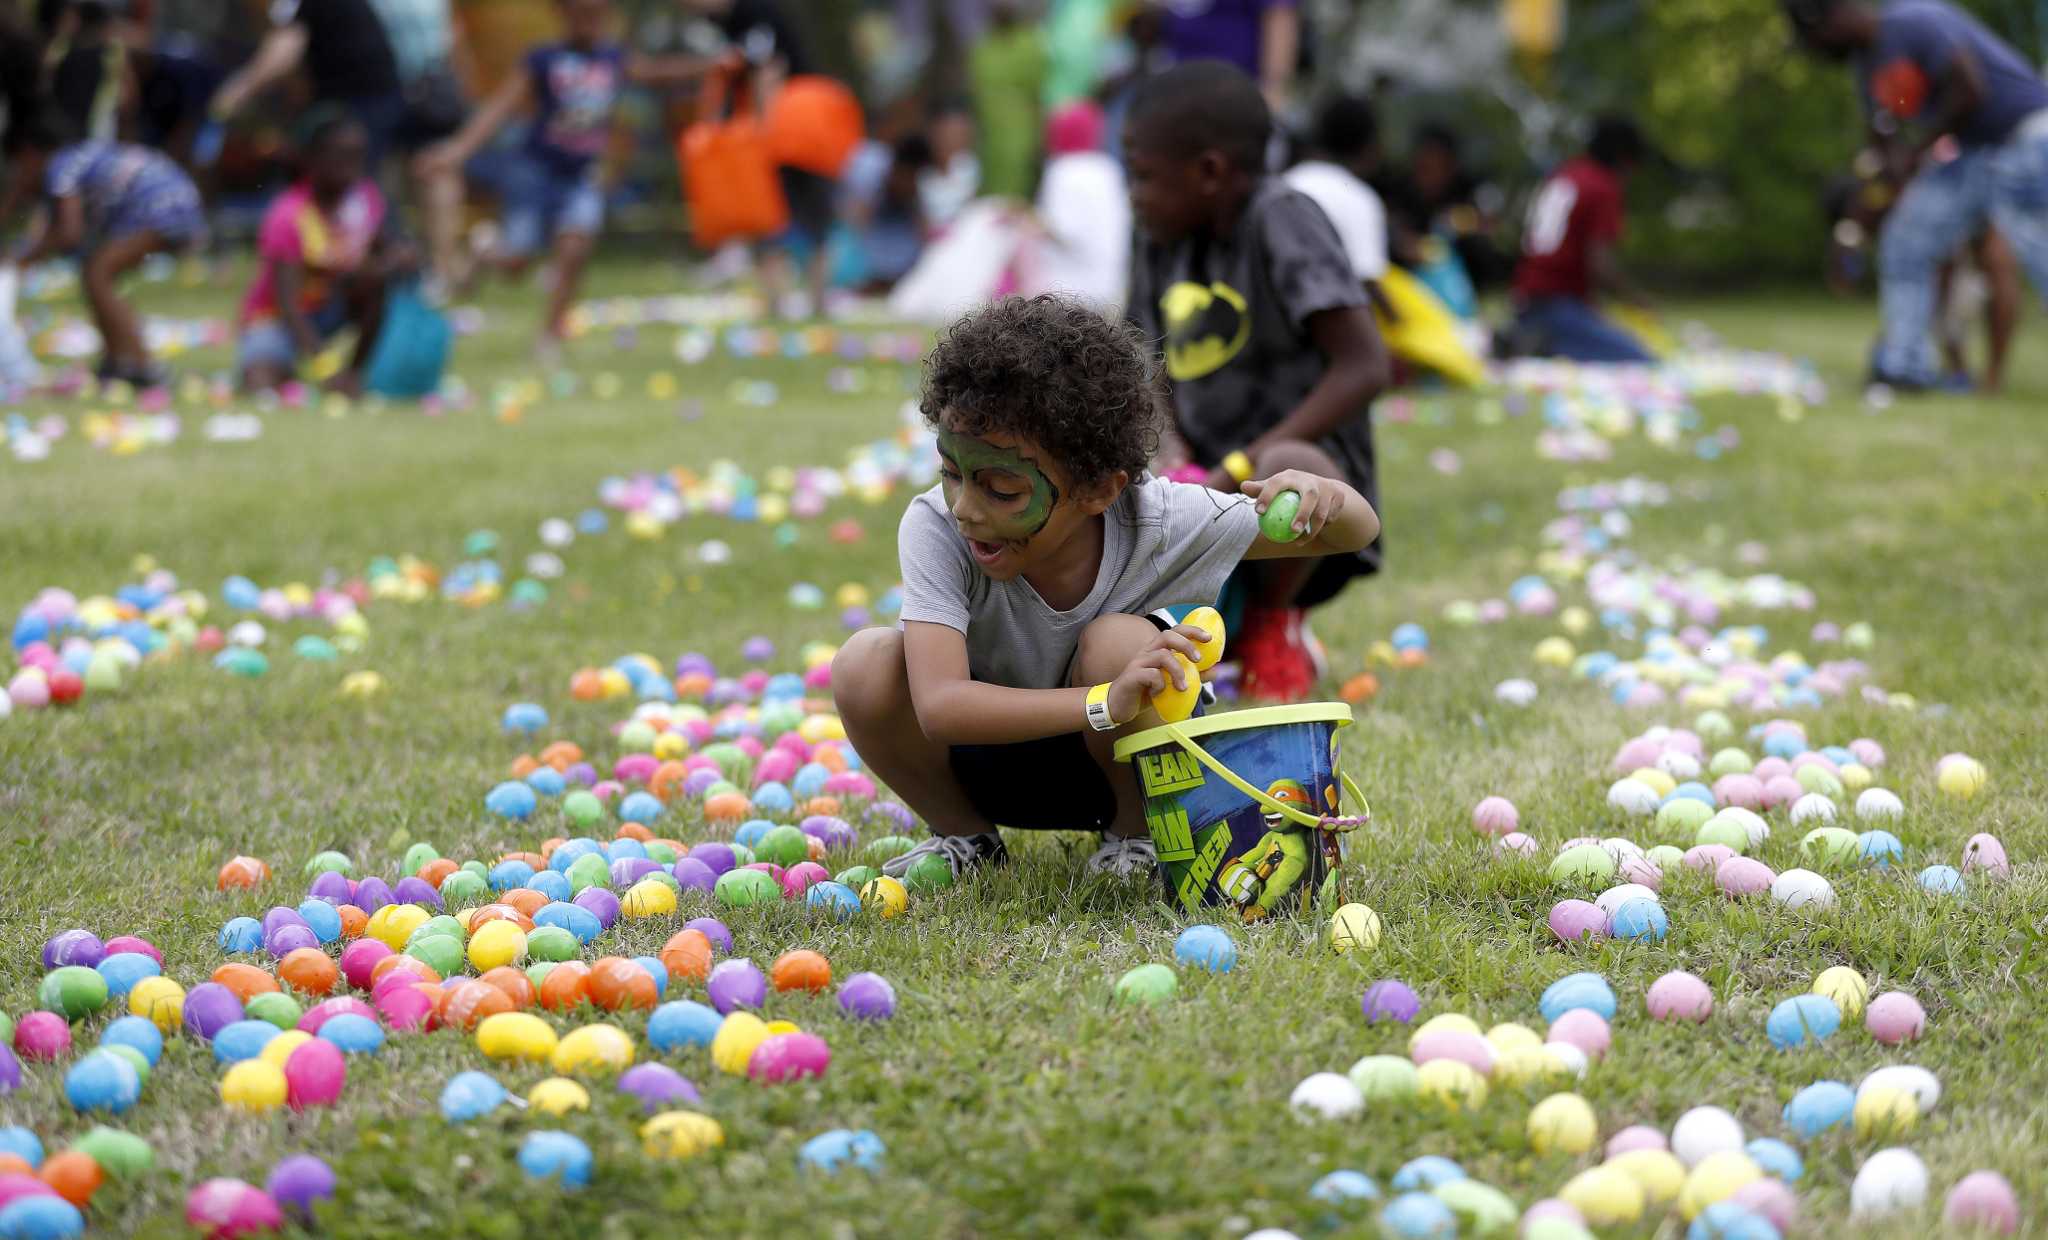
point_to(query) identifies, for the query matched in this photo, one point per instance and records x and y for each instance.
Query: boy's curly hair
(1053, 371)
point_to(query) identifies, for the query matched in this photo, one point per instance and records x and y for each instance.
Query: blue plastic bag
(412, 348)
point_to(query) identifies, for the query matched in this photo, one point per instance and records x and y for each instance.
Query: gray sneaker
(962, 852)
(1124, 858)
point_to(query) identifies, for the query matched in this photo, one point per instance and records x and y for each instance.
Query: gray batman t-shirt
(1164, 544)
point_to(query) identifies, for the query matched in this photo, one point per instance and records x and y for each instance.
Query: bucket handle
(1270, 803)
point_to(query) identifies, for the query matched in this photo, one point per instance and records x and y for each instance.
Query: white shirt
(1353, 207)
(1086, 212)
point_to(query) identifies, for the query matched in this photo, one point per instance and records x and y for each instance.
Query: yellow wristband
(1238, 466)
(1098, 709)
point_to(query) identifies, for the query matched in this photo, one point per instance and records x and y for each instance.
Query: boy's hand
(1320, 502)
(1153, 670)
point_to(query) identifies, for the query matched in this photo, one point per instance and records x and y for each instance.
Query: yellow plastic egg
(1522, 1064)
(1354, 927)
(496, 943)
(1715, 1178)
(160, 1001)
(1210, 621)
(734, 1044)
(254, 1086)
(516, 1035)
(280, 1048)
(593, 1047)
(612, 683)
(1961, 777)
(1176, 704)
(648, 898)
(816, 728)
(1658, 1172)
(1444, 1022)
(884, 895)
(1452, 1083)
(783, 1026)
(1604, 1196)
(393, 924)
(671, 745)
(1886, 1112)
(680, 1134)
(1658, 781)
(558, 1095)
(1563, 1122)
(1511, 1037)
(1846, 987)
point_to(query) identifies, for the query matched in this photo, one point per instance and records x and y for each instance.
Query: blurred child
(553, 187)
(326, 257)
(1034, 570)
(1344, 152)
(883, 213)
(1008, 67)
(113, 205)
(1268, 340)
(954, 178)
(1083, 246)
(90, 78)
(1570, 255)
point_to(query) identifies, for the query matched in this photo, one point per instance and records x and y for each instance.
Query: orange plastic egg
(617, 983)
(470, 1001)
(1360, 688)
(436, 870)
(516, 985)
(246, 980)
(635, 831)
(693, 687)
(548, 847)
(523, 765)
(525, 899)
(562, 755)
(308, 970)
(402, 964)
(687, 954)
(75, 1174)
(829, 757)
(565, 986)
(828, 806)
(801, 970)
(354, 921)
(587, 685)
(243, 872)
(667, 780)
(728, 807)
(500, 912)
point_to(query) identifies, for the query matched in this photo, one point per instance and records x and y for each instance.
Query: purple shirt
(1916, 40)
(1218, 30)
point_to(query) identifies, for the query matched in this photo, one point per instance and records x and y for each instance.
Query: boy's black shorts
(1051, 784)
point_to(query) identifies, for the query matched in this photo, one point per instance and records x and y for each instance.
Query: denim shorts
(540, 207)
(268, 342)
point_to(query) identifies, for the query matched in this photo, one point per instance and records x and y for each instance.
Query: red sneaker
(1274, 649)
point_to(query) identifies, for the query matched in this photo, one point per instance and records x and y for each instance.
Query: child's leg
(572, 252)
(1280, 581)
(115, 318)
(1108, 645)
(871, 686)
(365, 302)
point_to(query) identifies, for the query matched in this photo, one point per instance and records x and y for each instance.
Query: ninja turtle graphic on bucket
(1264, 874)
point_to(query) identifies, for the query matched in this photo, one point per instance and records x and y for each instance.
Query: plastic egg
(1205, 947)
(1803, 1020)
(254, 1085)
(1703, 1131)
(1563, 1123)
(596, 1047)
(556, 1156)
(1716, 1178)
(1819, 1107)
(1983, 1200)
(1890, 1181)
(516, 1035)
(867, 996)
(1680, 996)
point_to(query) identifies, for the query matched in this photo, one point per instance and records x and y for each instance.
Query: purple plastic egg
(657, 1085)
(288, 939)
(718, 857)
(10, 1069)
(331, 887)
(124, 943)
(695, 664)
(1390, 999)
(372, 894)
(867, 996)
(210, 1007)
(693, 875)
(79, 947)
(697, 781)
(601, 904)
(736, 984)
(788, 1057)
(713, 929)
(582, 774)
(895, 813)
(412, 889)
(629, 870)
(277, 918)
(299, 1181)
(1574, 920)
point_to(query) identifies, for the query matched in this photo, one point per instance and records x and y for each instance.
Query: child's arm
(953, 708)
(286, 289)
(63, 226)
(279, 53)
(513, 96)
(1334, 519)
(668, 70)
(1357, 371)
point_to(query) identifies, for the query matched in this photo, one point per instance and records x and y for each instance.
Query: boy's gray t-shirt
(1164, 544)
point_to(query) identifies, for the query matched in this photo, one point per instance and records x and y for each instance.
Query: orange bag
(815, 123)
(729, 177)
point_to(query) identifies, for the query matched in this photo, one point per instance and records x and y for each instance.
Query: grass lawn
(1015, 1096)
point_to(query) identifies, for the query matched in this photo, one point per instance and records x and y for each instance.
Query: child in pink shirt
(326, 257)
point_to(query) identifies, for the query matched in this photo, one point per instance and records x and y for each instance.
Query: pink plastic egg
(1743, 876)
(1744, 790)
(1583, 1028)
(314, 1074)
(1643, 872)
(1470, 1049)
(1495, 816)
(788, 1056)
(1770, 1198)
(223, 1209)
(359, 958)
(43, 1036)
(1636, 1137)
(1573, 920)
(1706, 857)
(405, 1007)
(1680, 996)
(1984, 852)
(1782, 790)
(1982, 1199)
(1514, 844)
(1895, 1017)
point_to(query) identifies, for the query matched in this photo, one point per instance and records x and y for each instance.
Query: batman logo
(1206, 325)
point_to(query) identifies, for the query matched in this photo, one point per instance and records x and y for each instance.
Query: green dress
(1008, 70)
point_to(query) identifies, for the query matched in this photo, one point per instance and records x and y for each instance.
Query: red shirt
(1579, 206)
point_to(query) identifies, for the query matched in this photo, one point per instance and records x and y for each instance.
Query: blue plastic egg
(574, 918)
(511, 799)
(546, 780)
(1418, 1216)
(506, 875)
(682, 1023)
(1206, 947)
(323, 918)
(1426, 1172)
(841, 1147)
(123, 969)
(468, 1095)
(41, 1217)
(23, 1143)
(241, 934)
(1819, 1107)
(138, 1032)
(773, 798)
(640, 807)
(527, 717)
(102, 1081)
(559, 1156)
(840, 899)
(1724, 1220)
(569, 852)
(625, 849)
(356, 1034)
(751, 831)
(1577, 990)
(551, 883)
(1880, 848)
(1639, 919)
(656, 970)
(1941, 879)
(1776, 1158)
(242, 1039)
(1344, 1185)
(1803, 1019)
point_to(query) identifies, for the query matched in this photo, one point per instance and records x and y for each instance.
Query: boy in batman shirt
(1267, 336)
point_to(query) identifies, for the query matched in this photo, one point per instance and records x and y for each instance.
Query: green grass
(1014, 1095)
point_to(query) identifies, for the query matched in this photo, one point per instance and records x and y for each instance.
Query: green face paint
(975, 457)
